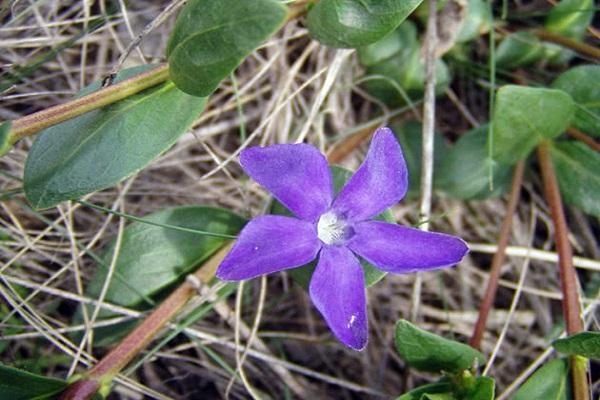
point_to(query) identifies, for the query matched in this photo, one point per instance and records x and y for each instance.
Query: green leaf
(212, 37)
(428, 352)
(411, 138)
(16, 384)
(463, 174)
(356, 23)
(524, 116)
(583, 84)
(5, 142)
(577, 170)
(431, 388)
(571, 18)
(101, 148)
(585, 344)
(551, 381)
(302, 275)
(484, 389)
(519, 49)
(153, 257)
(478, 21)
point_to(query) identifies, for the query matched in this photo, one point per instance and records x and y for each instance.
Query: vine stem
(582, 137)
(499, 257)
(100, 376)
(33, 123)
(580, 47)
(568, 278)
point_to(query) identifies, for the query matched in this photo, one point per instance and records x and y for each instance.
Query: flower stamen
(331, 229)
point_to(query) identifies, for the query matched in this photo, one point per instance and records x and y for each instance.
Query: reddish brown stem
(568, 278)
(580, 47)
(107, 368)
(582, 137)
(498, 259)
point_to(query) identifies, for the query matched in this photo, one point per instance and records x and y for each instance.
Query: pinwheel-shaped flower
(337, 230)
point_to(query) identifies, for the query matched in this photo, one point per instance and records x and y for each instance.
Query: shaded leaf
(212, 37)
(571, 18)
(302, 275)
(464, 172)
(428, 352)
(585, 344)
(404, 73)
(355, 23)
(519, 49)
(16, 384)
(411, 138)
(551, 381)
(152, 257)
(101, 148)
(431, 388)
(583, 84)
(577, 170)
(524, 116)
(478, 21)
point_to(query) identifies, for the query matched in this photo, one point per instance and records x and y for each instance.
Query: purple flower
(337, 230)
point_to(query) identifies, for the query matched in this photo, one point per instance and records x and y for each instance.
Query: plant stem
(33, 123)
(568, 278)
(498, 259)
(106, 369)
(582, 137)
(580, 47)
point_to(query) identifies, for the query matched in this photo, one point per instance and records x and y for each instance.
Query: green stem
(33, 123)
(580, 47)
(568, 278)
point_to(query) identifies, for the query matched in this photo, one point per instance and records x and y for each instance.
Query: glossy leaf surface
(551, 381)
(16, 384)
(99, 149)
(212, 37)
(428, 352)
(355, 23)
(585, 344)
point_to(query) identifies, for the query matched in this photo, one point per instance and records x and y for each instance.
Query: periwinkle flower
(337, 230)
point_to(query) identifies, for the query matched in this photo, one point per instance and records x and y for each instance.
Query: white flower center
(331, 229)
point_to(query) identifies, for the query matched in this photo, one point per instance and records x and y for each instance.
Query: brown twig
(568, 278)
(107, 368)
(580, 47)
(498, 259)
(582, 137)
(33, 123)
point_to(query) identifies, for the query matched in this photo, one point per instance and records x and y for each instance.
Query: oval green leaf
(571, 18)
(519, 49)
(551, 381)
(356, 23)
(16, 384)
(153, 257)
(578, 172)
(485, 388)
(212, 37)
(583, 84)
(428, 352)
(478, 21)
(524, 116)
(101, 148)
(302, 275)
(464, 172)
(585, 344)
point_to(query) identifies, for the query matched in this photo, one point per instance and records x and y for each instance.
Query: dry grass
(291, 90)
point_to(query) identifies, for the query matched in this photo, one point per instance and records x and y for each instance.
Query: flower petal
(380, 182)
(268, 244)
(296, 174)
(400, 249)
(337, 289)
